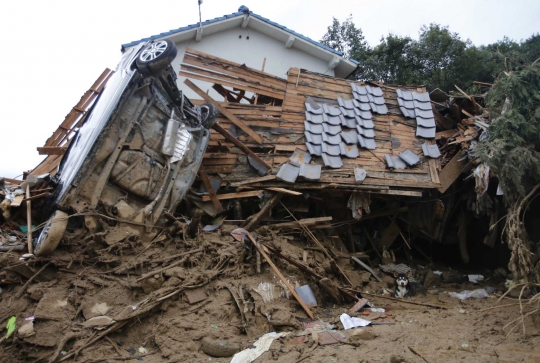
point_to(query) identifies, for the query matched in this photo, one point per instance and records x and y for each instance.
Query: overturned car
(135, 156)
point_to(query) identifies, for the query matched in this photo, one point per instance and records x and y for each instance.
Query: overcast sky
(53, 50)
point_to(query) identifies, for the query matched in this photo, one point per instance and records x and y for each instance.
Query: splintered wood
(268, 125)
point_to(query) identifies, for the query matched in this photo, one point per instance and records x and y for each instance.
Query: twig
(21, 291)
(401, 300)
(418, 354)
(152, 273)
(367, 268)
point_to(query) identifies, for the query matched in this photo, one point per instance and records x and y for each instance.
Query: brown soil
(155, 321)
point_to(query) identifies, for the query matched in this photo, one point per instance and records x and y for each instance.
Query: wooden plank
(251, 193)
(284, 191)
(51, 150)
(225, 112)
(253, 180)
(211, 191)
(218, 169)
(451, 172)
(305, 222)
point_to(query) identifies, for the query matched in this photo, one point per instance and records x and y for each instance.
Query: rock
(431, 280)
(152, 283)
(397, 359)
(219, 348)
(98, 321)
(389, 280)
(26, 330)
(53, 306)
(361, 334)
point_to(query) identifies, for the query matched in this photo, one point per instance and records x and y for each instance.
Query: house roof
(263, 24)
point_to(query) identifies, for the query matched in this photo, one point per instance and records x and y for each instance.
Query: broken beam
(51, 150)
(256, 218)
(251, 193)
(211, 191)
(225, 112)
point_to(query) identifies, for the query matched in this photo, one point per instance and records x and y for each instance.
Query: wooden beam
(284, 191)
(450, 172)
(211, 191)
(305, 222)
(251, 193)
(225, 112)
(253, 180)
(255, 219)
(239, 145)
(51, 150)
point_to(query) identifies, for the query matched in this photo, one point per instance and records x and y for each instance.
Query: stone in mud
(219, 348)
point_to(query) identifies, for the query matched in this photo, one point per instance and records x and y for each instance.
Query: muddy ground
(213, 293)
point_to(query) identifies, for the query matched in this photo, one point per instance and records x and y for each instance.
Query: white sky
(53, 50)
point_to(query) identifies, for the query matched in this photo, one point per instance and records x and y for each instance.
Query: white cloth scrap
(349, 323)
(261, 345)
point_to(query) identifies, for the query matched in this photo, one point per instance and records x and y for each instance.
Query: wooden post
(29, 220)
(256, 218)
(211, 191)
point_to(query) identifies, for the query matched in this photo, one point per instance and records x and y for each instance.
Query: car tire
(156, 56)
(209, 114)
(51, 234)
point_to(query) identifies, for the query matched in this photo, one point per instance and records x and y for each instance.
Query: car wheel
(51, 234)
(209, 113)
(156, 56)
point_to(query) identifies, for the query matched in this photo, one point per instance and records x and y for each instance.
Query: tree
(346, 38)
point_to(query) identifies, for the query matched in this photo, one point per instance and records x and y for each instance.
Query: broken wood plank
(211, 191)
(253, 180)
(225, 112)
(450, 172)
(304, 222)
(52, 150)
(284, 191)
(251, 193)
(255, 219)
(367, 268)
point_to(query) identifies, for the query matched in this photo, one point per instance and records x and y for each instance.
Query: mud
(213, 304)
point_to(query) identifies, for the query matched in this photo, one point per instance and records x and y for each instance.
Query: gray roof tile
(425, 132)
(288, 173)
(376, 91)
(314, 149)
(422, 105)
(409, 157)
(349, 136)
(348, 104)
(348, 113)
(359, 174)
(330, 149)
(348, 122)
(367, 124)
(358, 98)
(331, 110)
(431, 151)
(369, 133)
(378, 100)
(359, 89)
(380, 109)
(331, 139)
(367, 143)
(363, 106)
(425, 122)
(394, 162)
(313, 128)
(406, 104)
(350, 151)
(333, 120)
(314, 110)
(313, 138)
(310, 171)
(331, 129)
(332, 161)
(316, 119)
(300, 157)
(410, 113)
(424, 113)
(423, 97)
(366, 115)
(406, 95)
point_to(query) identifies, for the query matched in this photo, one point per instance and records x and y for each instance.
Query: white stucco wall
(228, 45)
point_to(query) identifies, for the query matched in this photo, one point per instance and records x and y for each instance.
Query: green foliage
(512, 149)
(438, 59)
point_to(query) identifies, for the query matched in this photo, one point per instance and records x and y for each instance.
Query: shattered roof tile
(331, 110)
(350, 151)
(331, 139)
(332, 161)
(429, 122)
(367, 143)
(425, 132)
(313, 128)
(316, 119)
(314, 110)
(348, 122)
(300, 157)
(409, 157)
(288, 173)
(422, 97)
(394, 162)
(331, 129)
(348, 104)
(310, 171)
(348, 113)
(349, 136)
(369, 133)
(431, 151)
(359, 174)
(333, 120)
(313, 138)
(314, 149)
(330, 149)
(405, 95)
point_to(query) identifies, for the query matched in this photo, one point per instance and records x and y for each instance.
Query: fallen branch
(21, 291)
